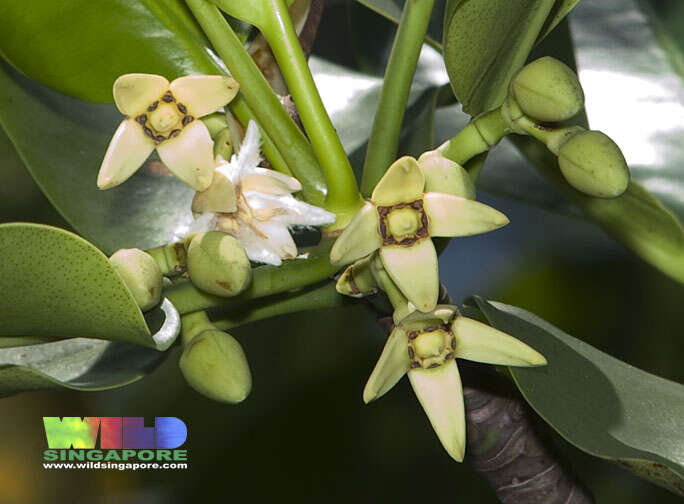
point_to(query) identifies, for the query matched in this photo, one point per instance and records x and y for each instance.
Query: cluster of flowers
(243, 212)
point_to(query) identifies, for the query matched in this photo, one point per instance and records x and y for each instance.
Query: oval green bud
(593, 164)
(214, 364)
(547, 90)
(223, 144)
(141, 274)
(218, 264)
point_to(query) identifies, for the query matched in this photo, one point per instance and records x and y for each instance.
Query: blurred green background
(304, 433)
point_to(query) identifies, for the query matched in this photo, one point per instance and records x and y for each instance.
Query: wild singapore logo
(114, 443)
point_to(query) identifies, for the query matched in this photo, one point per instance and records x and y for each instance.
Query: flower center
(430, 344)
(403, 222)
(165, 118)
(431, 347)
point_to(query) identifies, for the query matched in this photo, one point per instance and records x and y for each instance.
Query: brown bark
(506, 447)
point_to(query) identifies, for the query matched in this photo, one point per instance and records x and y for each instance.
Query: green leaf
(81, 47)
(602, 405)
(55, 284)
(487, 41)
(62, 142)
(77, 364)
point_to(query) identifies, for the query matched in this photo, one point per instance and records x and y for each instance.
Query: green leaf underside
(485, 43)
(55, 284)
(77, 364)
(90, 44)
(62, 142)
(601, 405)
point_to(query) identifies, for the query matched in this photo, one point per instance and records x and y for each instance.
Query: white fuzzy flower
(255, 204)
(165, 116)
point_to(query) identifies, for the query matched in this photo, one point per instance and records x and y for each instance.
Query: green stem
(194, 324)
(263, 102)
(343, 194)
(384, 139)
(481, 134)
(311, 299)
(266, 280)
(172, 258)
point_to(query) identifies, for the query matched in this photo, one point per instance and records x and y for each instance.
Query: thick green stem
(384, 139)
(480, 135)
(172, 258)
(315, 298)
(194, 324)
(343, 194)
(266, 280)
(263, 102)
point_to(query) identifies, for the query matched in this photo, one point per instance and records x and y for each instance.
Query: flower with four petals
(425, 346)
(400, 220)
(165, 117)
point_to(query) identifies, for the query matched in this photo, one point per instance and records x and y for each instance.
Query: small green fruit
(593, 164)
(218, 264)
(141, 274)
(214, 364)
(548, 90)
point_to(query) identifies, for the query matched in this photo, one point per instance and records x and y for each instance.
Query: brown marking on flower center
(421, 232)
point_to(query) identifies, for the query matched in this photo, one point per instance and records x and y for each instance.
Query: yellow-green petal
(190, 155)
(403, 182)
(127, 151)
(204, 94)
(479, 342)
(414, 270)
(440, 393)
(360, 237)
(391, 366)
(218, 197)
(445, 176)
(133, 93)
(453, 216)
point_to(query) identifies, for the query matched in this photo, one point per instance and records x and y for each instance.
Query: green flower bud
(141, 274)
(357, 280)
(593, 164)
(223, 144)
(215, 123)
(218, 264)
(214, 364)
(548, 90)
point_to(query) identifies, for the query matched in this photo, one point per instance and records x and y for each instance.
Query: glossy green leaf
(487, 41)
(89, 44)
(77, 364)
(56, 284)
(62, 141)
(598, 403)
